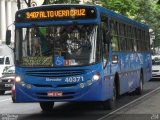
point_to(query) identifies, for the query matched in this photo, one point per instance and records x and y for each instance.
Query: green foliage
(149, 13)
(124, 7)
(144, 11)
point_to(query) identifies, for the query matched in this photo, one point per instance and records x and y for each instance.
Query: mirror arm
(10, 25)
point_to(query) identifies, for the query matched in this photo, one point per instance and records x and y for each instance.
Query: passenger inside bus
(73, 42)
(37, 46)
(40, 46)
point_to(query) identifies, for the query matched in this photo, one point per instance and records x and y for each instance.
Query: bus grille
(58, 86)
(54, 73)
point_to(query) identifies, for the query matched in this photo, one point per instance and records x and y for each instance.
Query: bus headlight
(18, 79)
(96, 77)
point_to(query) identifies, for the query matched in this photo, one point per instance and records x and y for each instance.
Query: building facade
(7, 15)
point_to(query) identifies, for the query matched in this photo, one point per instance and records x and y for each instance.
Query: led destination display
(55, 14)
(58, 13)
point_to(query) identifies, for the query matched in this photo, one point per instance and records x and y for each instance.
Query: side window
(104, 32)
(7, 62)
(115, 46)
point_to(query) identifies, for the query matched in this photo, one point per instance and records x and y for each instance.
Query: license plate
(8, 85)
(54, 93)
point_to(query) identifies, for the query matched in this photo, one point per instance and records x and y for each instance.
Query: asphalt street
(79, 111)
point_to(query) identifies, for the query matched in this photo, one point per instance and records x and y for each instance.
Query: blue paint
(59, 60)
(53, 78)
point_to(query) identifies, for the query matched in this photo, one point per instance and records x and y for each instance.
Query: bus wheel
(46, 106)
(110, 104)
(139, 89)
(13, 99)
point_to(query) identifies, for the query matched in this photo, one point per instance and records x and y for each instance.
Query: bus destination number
(74, 79)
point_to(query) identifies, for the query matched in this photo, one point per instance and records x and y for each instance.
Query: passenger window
(7, 61)
(104, 32)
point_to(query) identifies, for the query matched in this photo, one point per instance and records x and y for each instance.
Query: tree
(18, 4)
(124, 7)
(148, 13)
(28, 3)
(93, 2)
(144, 11)
(60, 1)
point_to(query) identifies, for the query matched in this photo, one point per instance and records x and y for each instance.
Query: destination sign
(55, 14)
(49, 13)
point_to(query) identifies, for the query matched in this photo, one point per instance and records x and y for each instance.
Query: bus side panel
(147, 65)
(107, 83)
(129, 69)
(121, 68)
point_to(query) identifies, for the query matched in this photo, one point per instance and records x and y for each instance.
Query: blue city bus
(78, 53)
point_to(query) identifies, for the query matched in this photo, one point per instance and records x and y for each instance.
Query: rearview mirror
(8, 37)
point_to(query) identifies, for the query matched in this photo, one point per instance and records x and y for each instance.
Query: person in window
(36, 46)
(40, 46)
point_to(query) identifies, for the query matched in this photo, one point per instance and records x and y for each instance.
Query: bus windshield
(57, 45)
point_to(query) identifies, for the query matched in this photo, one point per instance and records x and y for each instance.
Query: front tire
(110, 104)
(13, 99)
(139, 89)
(47, 106)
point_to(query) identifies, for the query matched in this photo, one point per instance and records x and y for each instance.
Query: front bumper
(88, 93)
(155, 74)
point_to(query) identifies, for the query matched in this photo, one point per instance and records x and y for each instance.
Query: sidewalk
(146, 109)
(149, 106)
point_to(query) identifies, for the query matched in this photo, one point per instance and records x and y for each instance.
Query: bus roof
(121, 18)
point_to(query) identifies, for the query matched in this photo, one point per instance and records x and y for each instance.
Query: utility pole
(18, 4)
(28, 3)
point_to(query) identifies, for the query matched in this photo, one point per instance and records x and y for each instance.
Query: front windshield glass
(57, 45)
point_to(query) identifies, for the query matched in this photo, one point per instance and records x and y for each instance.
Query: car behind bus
(155, 67)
